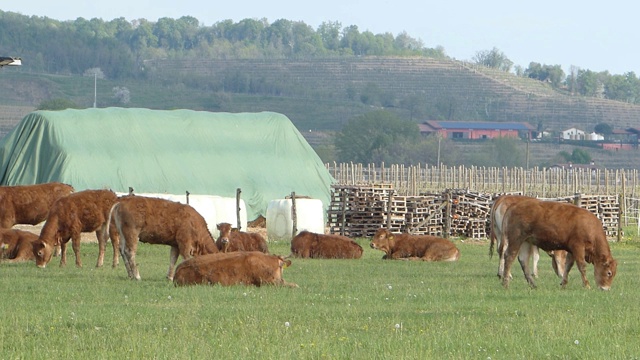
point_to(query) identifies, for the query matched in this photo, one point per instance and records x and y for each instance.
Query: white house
(573, 134)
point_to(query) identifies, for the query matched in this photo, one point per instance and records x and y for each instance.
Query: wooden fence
(536, 182)
(414, 198)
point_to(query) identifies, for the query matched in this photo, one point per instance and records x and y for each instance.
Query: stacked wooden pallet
(606, 208)
(469, 213)
(357, 211)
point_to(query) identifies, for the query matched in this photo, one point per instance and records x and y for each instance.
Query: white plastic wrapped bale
(309, 214)
(214, 209)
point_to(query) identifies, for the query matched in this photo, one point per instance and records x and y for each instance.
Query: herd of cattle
(519, 225)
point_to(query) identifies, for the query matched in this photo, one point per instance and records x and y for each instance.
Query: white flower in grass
(397, 326)
(389, 286)
(169, 297)
(286, 324)
(577, 342)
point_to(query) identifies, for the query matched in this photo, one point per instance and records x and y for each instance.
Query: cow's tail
(113, 207)
(492, 233)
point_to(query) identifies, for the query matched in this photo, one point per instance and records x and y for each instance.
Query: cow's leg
(578, 256)
(115, 243)
(523, 257)
(63, 252)
(128, 248)
(510, 254)
(567, 266)
(173, 258)
(102, 244)
(535, 254)
(75, 244)
(501, 249)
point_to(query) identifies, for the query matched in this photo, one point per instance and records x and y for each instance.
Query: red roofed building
(477, 129)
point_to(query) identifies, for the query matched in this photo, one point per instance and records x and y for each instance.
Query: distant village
(618, 139)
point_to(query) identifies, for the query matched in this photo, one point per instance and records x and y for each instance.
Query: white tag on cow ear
(391, 237)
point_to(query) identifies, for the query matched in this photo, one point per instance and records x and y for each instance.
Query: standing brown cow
(17, 245)
(70, 216)
(29, 204)
(527, 251)
(414, 247)
(245, 267)
(159, 221)
(320, 246)
(231, 239)
(559, 226)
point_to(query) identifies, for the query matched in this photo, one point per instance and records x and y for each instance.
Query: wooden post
(343, 211)
(620, 202)
(389, 202)
(294, 215)
(188, 196)
(447, 214)
(238, 222)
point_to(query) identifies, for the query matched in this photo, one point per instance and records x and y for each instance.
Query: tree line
(118, 47)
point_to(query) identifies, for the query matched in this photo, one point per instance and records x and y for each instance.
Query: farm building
(156, 151)
(476, 129)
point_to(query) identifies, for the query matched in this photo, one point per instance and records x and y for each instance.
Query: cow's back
(159, 221)
(17, 244)
(29, 204)
(248, 268)
(430, 248)
(335, 247)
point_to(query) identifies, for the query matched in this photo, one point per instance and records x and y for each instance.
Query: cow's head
(42, 252)
(604, 271)
(223, 239)
(383, 240)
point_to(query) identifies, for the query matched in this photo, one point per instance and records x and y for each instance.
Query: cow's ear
(218, 226)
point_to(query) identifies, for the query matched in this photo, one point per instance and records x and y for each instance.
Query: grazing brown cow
(159, 221)
(70, 216)
(498, 209)
(320, 246)
(559, 226)
(244, 267)
(17, 245)
(29, 204)
(414, 247)
(231, 239)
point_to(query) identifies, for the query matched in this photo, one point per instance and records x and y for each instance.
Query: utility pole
(95, 88)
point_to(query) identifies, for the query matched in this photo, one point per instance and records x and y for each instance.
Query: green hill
(319, 95)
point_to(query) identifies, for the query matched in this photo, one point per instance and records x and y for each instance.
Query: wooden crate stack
(424, 215)
(469, 214)
(606, 208)
(365, 209)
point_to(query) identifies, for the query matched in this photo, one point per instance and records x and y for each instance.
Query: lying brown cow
(17, 245)
(414, 247)
(70, 216)
(559, 226)
(29, 204)
(244, 267)
(231, 239)
(527, 251)
(159, 221)
(320, 246)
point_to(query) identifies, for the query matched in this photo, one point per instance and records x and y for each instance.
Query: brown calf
(247, 268)
(17, 245)
(159, 221)
(29, 204)
(83, 211)
(231, 239)
(320, 246)
(414, 247)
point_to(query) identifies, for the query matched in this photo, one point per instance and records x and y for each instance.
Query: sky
(595, 36)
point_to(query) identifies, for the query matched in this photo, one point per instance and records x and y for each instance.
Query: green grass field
(344, 309)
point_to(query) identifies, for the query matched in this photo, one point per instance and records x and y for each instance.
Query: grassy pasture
(344, 309)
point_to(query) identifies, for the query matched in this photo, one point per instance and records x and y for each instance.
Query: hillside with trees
(322, 78)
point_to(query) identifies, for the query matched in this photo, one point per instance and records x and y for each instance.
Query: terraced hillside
(466, 91)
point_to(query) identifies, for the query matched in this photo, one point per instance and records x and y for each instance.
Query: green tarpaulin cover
(159, 151)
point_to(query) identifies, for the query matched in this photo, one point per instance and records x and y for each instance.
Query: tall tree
(372, 135)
